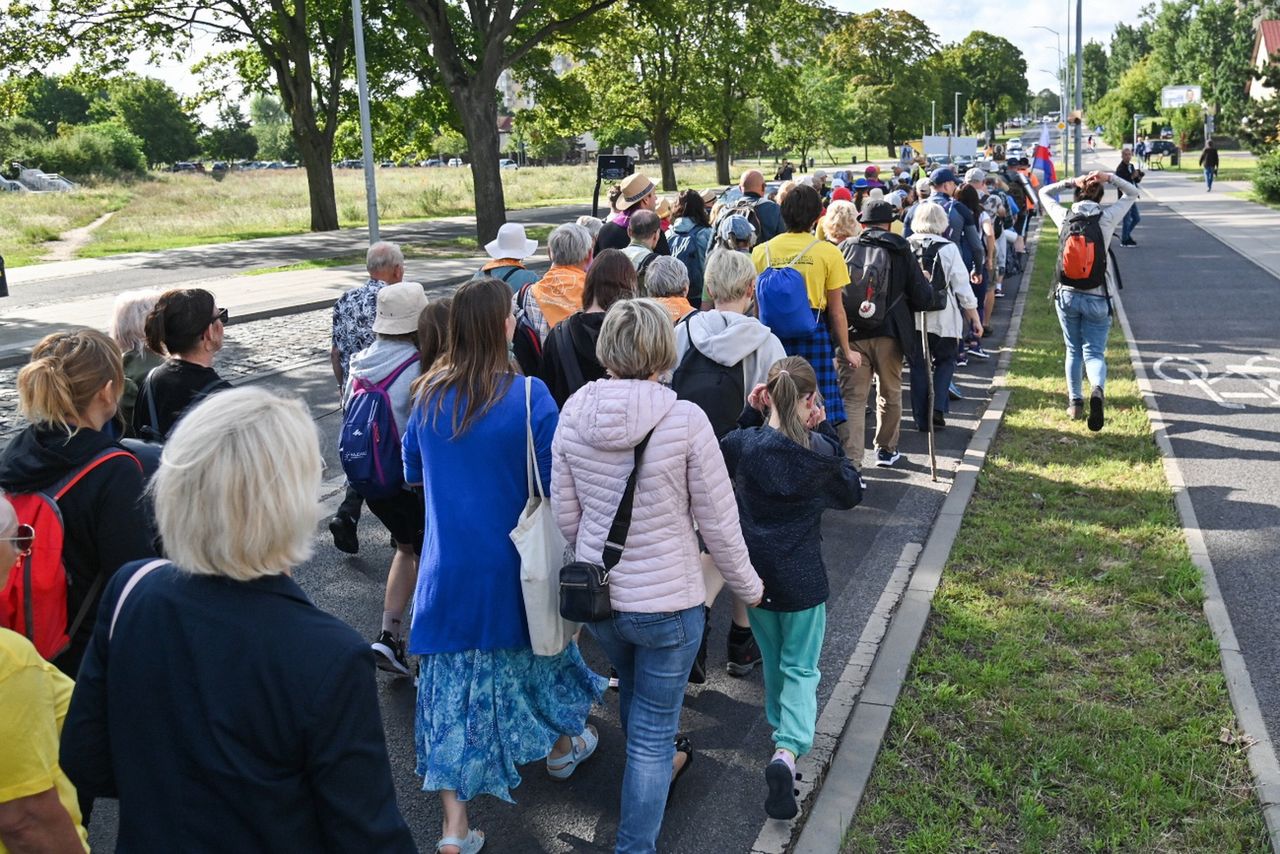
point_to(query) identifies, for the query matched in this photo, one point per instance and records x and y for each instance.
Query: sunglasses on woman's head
(23, 539)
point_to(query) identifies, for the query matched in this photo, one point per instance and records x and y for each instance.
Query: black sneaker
(390, 654)
(976, 351)
(744, 655)
(1096, 402)
(343, 528)
(886, 458)
(939, 421)
(781, 802)
(1129, 242)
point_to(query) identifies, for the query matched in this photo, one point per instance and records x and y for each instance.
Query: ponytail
(791, 379)
(179, 320)
(66, 371)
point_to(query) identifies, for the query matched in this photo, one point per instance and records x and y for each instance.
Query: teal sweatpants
(790, 643)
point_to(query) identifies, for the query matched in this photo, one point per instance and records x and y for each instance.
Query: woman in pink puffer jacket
(656, 588)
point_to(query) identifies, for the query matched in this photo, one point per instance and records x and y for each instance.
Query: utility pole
(1079, 87)
(366, 135)
(933, 118)
(956, 126)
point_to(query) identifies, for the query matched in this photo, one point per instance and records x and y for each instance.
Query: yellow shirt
(34, 696)
(822, 266)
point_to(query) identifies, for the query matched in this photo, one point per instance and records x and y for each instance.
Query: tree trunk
(315, 147)
(722, 162)
(662, 142)
(479, 110)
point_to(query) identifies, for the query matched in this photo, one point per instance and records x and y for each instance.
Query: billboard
(1172, 97)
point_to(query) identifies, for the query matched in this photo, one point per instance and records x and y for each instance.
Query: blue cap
(736, 227)
(861, 184)
(943, 175)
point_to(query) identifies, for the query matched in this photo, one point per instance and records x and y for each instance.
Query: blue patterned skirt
(817, 349)
(483, 713)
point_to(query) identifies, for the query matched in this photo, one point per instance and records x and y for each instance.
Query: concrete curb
(850, 770)
(1244, 700)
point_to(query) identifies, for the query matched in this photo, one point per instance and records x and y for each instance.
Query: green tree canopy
(231, 138)
(153, 113)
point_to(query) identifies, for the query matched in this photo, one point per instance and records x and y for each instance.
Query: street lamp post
(1079, 90)
(957, 111)
(933, 118)
(366, 135)
(1062, 88)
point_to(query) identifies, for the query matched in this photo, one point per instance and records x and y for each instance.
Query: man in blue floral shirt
(353, 316)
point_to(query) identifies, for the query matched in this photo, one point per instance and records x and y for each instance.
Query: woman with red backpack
(64, 459)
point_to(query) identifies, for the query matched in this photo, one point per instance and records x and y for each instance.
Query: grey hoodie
(728, 338)
(375, 363)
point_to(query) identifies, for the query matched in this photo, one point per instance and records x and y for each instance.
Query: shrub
(1266, 181)
(82, 151)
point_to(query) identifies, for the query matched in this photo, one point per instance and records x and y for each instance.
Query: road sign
(1172, 97)
(1062, 126)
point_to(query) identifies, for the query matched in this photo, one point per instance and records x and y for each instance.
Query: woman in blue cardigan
(486, 703)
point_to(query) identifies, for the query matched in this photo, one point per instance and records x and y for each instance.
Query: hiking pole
(928, 365)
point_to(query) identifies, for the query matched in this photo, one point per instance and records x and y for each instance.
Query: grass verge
(1067, 694)
(1235, 166)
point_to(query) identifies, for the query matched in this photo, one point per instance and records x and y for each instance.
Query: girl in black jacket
(785, 474)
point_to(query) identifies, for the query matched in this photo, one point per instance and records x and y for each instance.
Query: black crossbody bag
(584, 587)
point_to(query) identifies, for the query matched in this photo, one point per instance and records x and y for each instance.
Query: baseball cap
(736, 227)
(943, 175)
(975, 176)
(861, 184)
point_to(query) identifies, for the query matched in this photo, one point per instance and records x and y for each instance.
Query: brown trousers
(883, 358)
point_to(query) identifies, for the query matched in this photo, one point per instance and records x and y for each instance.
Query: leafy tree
(49, 100)
(1260, 124)
(804, 113)
(300, 48)
(891, 50)
(975, 117)
(16, 135)
(472, 43)
(1137, 92)
(1095, 73)
(990, 66)
(232, 138)
(153, 113)
(1046, 101)
(1188, 125)
(272, 130)
(865, 118)
(1128, 45)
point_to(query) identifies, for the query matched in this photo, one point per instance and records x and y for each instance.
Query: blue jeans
(1131, 219)
(1085, 320)
(652, 654)
(1208, 179)
(942, 358)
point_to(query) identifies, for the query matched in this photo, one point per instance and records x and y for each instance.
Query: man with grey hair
(353, 316)
(644, 229)
(558, 293)
(667, 282)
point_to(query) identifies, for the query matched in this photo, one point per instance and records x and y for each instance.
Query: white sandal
(472, 844)
(562, 767)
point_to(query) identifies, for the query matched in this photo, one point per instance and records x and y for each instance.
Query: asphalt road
(173, 267)
(719, 802)
(1205, 320)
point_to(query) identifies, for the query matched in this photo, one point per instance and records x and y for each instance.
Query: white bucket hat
(511, 242)
(399, 307)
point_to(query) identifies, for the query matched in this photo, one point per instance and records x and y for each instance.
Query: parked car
(455, 161)
(1015, 144)
(508, 163)
(433, 161)
(387, 164)
(220, 166)
(183, 166)
(1166, 133)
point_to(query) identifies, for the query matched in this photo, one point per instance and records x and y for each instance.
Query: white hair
(569, 244)
(591, 224)
(237, 493)
(666, 277)
(383, 256)
(129, 318)
(930, 218)
(729, 275)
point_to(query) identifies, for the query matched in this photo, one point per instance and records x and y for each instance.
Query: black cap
(876, 212)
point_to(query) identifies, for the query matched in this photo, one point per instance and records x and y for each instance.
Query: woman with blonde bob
(193, 690)
(69, 394)
(656, 588)
(841, 221)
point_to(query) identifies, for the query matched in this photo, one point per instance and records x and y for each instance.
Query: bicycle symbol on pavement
(1260, 375)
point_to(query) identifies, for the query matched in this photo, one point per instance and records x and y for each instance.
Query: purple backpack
(369, 445)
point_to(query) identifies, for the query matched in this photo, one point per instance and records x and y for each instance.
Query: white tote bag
(542, 548)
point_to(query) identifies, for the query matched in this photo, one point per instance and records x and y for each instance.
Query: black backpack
(867, 301)
(1082, 252)
(718, 390)
(526, 346)
(744, 206)
(927, 256)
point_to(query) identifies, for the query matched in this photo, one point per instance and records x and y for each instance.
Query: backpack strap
(63, 486)
(148, 387)
(142, 572)
(523, 294)
(511, 271)
(390, 378)
(569, 355)
(644, 265)
(803, 252)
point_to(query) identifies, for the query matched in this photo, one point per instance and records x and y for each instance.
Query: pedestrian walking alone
(1131, 173)
(486, 703)
(785, 473)
(1085, 281)
(1209, 163)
